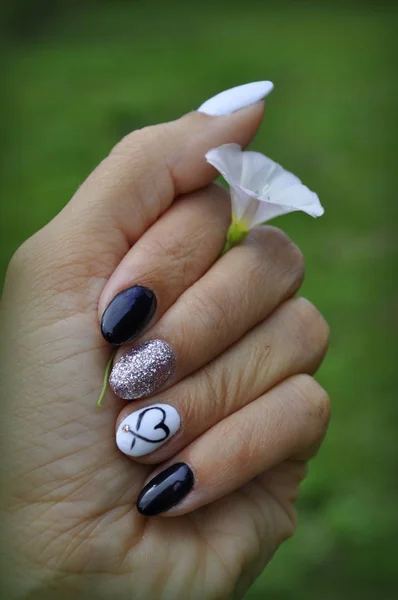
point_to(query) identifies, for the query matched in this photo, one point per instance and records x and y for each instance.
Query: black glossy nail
(165, 490)
(128, 314)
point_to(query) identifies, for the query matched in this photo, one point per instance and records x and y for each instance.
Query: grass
(84, 80)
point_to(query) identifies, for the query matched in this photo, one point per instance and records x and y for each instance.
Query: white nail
(147, 429)
(236, 98)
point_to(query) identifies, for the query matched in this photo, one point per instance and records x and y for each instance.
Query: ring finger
(292, 341)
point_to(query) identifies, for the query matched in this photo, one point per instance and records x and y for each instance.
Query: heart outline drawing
(161, 425)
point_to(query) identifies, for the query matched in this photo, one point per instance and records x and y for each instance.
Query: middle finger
(237, 293)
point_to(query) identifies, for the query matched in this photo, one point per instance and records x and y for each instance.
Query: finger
(238, 292)
(164, 262)
(261, 515)
(288, 421)
(292, 341)
(143, 174)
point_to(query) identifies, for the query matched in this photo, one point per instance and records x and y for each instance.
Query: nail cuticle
(128, 314)
(166, 490)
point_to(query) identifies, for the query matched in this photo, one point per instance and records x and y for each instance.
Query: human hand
(250, 414)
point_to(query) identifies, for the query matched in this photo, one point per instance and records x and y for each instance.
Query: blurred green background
(79, 75)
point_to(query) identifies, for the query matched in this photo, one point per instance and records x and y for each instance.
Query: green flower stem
(106, 376)
(236, 233)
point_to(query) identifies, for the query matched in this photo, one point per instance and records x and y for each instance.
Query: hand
(242, 413)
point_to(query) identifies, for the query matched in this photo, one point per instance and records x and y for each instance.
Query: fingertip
(236, 98)
(189, 168)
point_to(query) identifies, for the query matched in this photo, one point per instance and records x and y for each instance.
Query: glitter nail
(142, 370)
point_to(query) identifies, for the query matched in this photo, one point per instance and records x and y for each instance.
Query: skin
(69, 526)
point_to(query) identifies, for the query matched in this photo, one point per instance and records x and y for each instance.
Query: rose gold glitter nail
(142, 370)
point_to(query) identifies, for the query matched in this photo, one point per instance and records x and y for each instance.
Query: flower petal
(244, 206)
(228, 160)
(301, 198)
(256, 170)
(296, 197)
(261, 211)
(261, 189)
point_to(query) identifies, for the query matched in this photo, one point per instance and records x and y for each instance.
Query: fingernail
(236, 98)
(142, 370)
(146, 430)
(128, 314)
(165, 490)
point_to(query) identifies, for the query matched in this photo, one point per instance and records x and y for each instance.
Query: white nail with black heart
(145, 430)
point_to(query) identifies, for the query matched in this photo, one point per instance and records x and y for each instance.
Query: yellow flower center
(237, 231)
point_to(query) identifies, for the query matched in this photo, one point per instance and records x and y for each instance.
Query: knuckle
(190, 405)
(205, 400)
(282, 251)
(133, 140)
(229, 389)
(281, 243)
(313, 329)
(166, 247)
(143, 150)
(165, 256)
(210, 314)
(212, 388)
(146, 145)
(22, 259)
(17, 263)
(314, 401)
(211, 207)
(246, 379)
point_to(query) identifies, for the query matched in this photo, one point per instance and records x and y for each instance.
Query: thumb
(143, 174)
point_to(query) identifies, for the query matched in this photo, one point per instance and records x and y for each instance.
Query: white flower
(260, 188)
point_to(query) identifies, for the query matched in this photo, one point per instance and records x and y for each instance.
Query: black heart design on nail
(161, 425)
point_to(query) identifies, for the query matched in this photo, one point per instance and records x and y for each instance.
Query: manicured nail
(142, 370)
(165, 490)
(128, 314)
(144, 431)
(236, 98)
